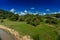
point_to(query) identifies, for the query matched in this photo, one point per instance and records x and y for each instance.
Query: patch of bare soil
(15, 33)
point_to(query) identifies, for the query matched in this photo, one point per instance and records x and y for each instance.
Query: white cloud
(32, 8)
(48, 10)
(17, 12)
(43, 13)
(12, 10)
(55, 12)
(59, 12)
(22, 13)
(25, 11)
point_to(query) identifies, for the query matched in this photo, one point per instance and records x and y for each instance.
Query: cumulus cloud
(55, 12)
(32, 8)
(12, 10)
(48, 10)
(17, 12)
(25, 11)
(44, 14)
(59, 12)
(22, 13)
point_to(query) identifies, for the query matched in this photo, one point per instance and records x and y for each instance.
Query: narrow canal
(5, 36)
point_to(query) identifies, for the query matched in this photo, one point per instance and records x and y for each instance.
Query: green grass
(41, 32)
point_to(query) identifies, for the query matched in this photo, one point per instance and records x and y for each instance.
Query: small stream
(5, 36)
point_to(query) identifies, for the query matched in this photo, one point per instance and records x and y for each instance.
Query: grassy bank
(40, 32)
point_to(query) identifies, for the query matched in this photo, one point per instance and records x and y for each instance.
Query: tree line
(29, 18)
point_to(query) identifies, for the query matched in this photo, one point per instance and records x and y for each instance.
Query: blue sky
(38, 5)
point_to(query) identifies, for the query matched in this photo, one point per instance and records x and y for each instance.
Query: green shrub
(22, 18)
(2, 20)
(33, 21)
(51, 20)
(14, 17)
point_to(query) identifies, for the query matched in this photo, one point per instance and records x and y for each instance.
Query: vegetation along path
(10, 34)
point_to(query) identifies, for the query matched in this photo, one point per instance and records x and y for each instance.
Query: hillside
(46, 27)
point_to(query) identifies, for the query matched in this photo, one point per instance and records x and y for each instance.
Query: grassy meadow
(40, 32)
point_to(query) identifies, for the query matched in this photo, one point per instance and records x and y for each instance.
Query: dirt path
(15, 33)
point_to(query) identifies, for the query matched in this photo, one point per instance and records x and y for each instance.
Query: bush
(58, 37)
(14, 17)
(33, 21)
(36, 37)
(2, 20)
(22, 18)
(52, 21)
(28, 20)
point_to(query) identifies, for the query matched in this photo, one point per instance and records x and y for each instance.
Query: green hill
(39, 27)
